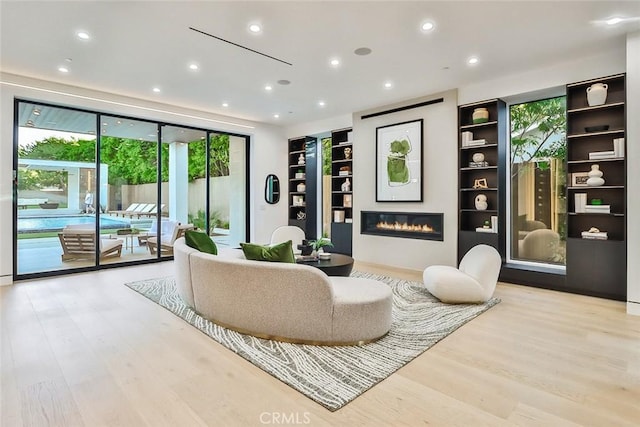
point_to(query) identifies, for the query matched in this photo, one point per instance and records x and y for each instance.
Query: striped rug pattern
(334, 376)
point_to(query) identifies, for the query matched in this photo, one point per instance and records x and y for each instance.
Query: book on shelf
(600, 235)
(484, 230)
(478, 164)
(474, 143)
(597, 209)
(466, 137)
(580, 202)
(596, 155)
(618, 147)
(494, 223)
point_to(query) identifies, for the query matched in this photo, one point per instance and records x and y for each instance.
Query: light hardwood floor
(84, 350)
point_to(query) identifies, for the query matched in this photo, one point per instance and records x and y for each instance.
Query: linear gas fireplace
(411, 225)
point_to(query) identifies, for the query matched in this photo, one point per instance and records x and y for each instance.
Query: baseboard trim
(633, 308)
(6, 280)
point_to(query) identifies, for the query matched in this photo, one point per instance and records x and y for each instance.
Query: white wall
(542, 79)
(440, 184)
(633, 173)
(268, 147)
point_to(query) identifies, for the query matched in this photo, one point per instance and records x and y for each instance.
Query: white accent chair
(288, 232)
(473, 282)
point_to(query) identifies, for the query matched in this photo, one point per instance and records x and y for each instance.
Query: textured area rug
(334, 376)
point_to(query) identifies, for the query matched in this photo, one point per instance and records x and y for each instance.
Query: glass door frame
(97, 265)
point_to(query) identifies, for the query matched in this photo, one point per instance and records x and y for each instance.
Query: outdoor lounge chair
(167, 240)
(132, 207)
(142, 210)
(80, 243)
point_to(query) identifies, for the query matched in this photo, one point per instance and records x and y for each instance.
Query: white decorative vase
(480, 115)
(597, 94)
(595, 176)
(481, 202)
(301, 187)
(478, 157)
(301, 159)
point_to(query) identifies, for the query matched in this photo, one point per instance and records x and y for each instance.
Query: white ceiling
(135, 46)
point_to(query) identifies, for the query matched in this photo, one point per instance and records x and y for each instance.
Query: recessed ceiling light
(156, 89)
(427, 26)
(63, 69)
(388, 85)
(255, 28)
(276, 116)
(321, 103)
(83, 35)
(334, 62)
(268, 87)
(193, 66)
(362, 51)
(473, 60)
(225, 104)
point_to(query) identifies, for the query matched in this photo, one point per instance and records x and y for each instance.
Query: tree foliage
(130, 161)
(533, 124)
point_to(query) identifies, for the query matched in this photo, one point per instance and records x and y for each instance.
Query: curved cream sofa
(281, 301)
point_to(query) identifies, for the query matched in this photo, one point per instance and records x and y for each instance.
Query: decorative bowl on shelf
(599, 128)
(324, 255)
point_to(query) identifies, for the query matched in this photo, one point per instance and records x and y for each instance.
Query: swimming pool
(57, 223)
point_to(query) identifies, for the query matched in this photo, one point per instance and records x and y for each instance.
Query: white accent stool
(288, 232)
(473, 282)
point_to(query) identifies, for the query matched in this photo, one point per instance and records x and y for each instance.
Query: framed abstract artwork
(399, 162)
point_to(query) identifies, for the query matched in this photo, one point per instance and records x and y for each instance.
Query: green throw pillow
(282, 252)
(200, 241)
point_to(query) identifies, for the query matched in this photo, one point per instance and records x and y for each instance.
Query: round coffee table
(337, 265)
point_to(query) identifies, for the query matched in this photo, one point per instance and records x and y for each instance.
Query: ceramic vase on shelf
(301, 159)
(478, 157)
(597, 94)
(595, 176)
(346, 185)
(480, 115)
(301, 187)
(481, 202)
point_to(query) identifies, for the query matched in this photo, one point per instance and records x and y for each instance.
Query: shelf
(596, 107)
(479, 211)
(478, 125)
(479, 168)
(297, 152)
(596, 213)
(588, 134)
(477, 147)
(297, 192)
(612, 159)
(297, 166)
(479, 189)
(297, 179)
(342, 192)
(342, 161)
(341, 176)
(590, 82)
(604, 187)
(342, 145)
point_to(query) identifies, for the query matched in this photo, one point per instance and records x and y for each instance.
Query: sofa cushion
(282, 252)
(200, 241)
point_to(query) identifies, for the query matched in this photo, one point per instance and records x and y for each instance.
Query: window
(537, 205)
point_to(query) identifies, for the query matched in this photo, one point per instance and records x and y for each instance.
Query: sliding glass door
(97, 189)
(56, 177)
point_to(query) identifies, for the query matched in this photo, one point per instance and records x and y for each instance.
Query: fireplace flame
(397, 226)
